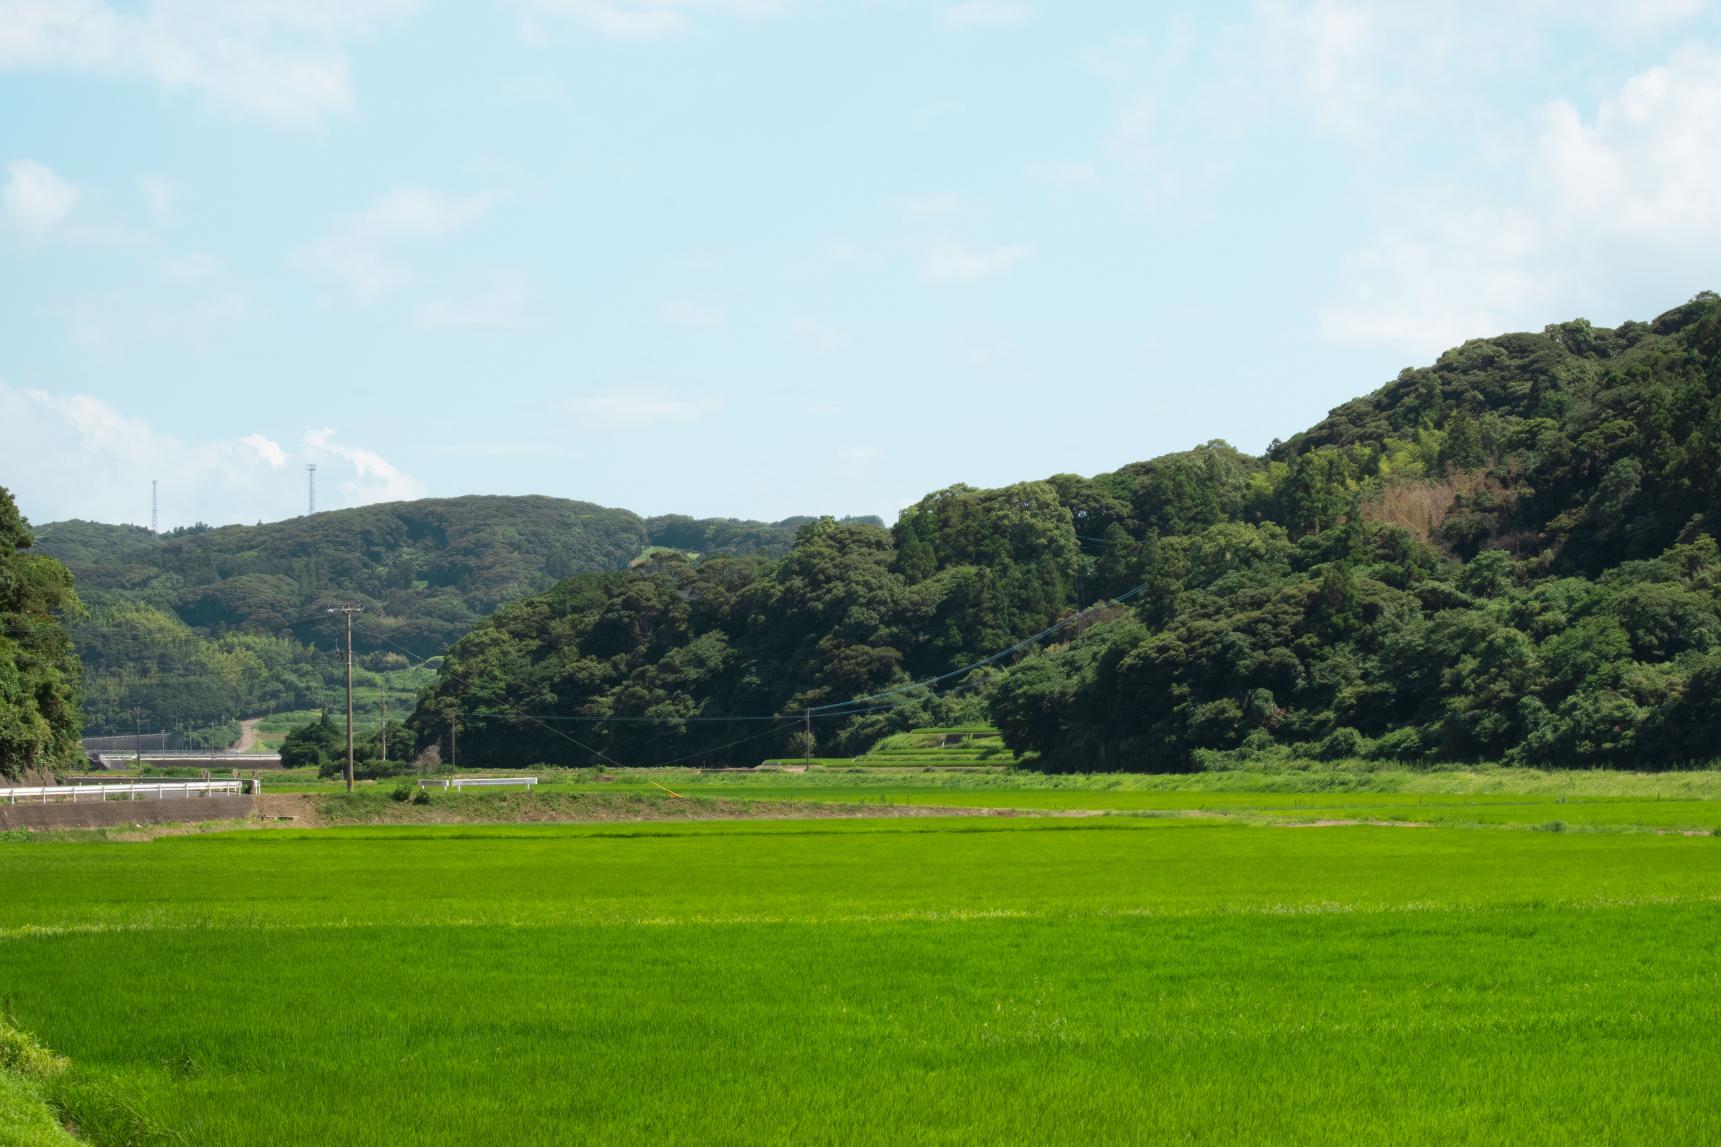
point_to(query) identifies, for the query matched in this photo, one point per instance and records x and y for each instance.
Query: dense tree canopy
(200, 624)
(38, 668)
(1508, 555)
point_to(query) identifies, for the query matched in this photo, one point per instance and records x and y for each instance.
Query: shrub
(1343, 743)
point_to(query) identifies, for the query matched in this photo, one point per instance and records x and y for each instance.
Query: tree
(39, 673)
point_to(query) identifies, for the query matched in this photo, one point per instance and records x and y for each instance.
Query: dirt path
(247, 736)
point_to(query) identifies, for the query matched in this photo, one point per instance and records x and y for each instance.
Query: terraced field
(976, 747)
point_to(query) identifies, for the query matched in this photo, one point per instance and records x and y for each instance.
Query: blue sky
(766, 257)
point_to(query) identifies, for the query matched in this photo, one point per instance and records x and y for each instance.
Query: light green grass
(26, 1120)
(1479, 796)
(948, 981)
(27, 1072)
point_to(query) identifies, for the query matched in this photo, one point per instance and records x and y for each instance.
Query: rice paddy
(1122, 978)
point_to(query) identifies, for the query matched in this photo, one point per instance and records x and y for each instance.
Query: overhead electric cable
(984, 661)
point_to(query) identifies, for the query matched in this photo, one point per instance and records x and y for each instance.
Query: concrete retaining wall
(118, 814)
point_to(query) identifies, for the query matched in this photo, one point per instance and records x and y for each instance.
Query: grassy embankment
(1125, 978)
(1474, 795)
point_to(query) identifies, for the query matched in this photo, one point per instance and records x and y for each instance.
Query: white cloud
(1648, 166)
(821, 336)
(950, 262)
(34, 197)
(1629, 16)
(360, 250)
(929, 206)
(648, 19)
(1463, 274)
(1358, 69)
(281, 59)
(686, 313)
(985, 13)
(1589, 201)
(420, 213)
(372, 478)
(1352, 65)
(636, 407)
(267, 449)
(75, 455)
(501, 305)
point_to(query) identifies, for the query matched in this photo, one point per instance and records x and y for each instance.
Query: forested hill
(1508, 555)
(201, 622)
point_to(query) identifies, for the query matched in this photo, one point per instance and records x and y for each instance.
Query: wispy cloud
(371, 478)
(76, 455)
(1631, 186)
(360, 251)
(285, 61)
(638, 406)
(687, 313)
(507, 450)
(500, 304)
(34, 197)
(649, 19)
(951, 262)
(986, 13)
(266, 449)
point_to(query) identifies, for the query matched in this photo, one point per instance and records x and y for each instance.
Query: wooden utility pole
(348, 611)
(807, 756)
(383, 735)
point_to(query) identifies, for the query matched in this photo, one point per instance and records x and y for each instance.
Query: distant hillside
(1509, 555)
(205, 622)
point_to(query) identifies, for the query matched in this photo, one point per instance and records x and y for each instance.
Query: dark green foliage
(1509, 555)
(682, 657)
(201, 624)
(39, 673)
(317, 743)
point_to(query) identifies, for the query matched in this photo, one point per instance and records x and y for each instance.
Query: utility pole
(348, 611)
(808, 743)
(454, 741)
(384, 733)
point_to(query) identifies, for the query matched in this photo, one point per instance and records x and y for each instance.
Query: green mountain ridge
(203, 623)
(1510, 554)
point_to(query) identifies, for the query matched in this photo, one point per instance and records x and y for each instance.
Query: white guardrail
(458, 783)
(141, 790)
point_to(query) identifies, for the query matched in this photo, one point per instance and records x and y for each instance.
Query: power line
(518, 712)
(984, 661)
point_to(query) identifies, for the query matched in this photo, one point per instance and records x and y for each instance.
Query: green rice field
(1048, 979)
